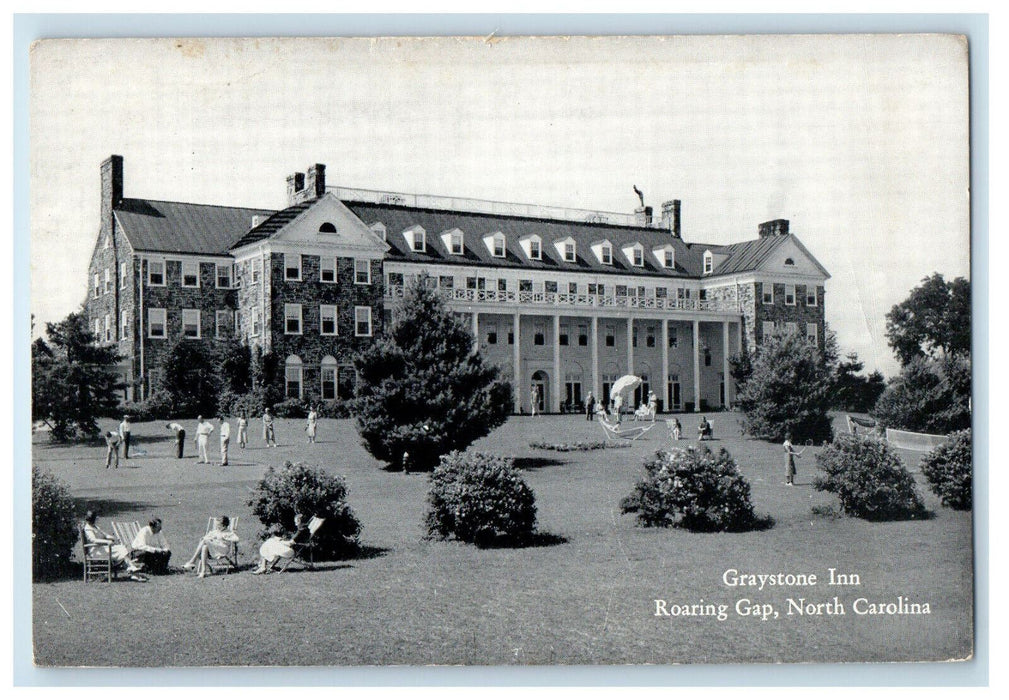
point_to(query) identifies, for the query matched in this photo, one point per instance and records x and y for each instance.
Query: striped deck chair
(616, 432)
(226, 559)
(126, 533)
(308, 547)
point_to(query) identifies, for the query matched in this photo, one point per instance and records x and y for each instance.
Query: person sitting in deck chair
(216, 543)
(277, 548)
(704, 429)
(120, 552)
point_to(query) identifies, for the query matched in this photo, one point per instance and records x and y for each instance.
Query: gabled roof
(475, 226)
(177, 227)
(277, 221)
(750, 255)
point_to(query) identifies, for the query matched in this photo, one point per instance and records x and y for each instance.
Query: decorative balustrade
(494, 296)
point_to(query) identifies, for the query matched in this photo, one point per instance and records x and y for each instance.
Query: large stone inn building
(561, 299)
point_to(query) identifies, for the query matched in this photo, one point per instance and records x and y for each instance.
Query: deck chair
(709, 434)
(616, 432)
(860, 426)
(300, 550)
(126, 533)
(672, 430)
(97, 565)
(229, 559)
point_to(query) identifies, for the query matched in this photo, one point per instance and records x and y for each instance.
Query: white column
(665, 365)
(597, 388)
(476, 332)
(725, 362)
(630, 345)
(517, 361)
(740, 348)
(697, 366)
(555, 403)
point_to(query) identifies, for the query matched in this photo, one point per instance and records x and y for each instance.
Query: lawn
(588, 599)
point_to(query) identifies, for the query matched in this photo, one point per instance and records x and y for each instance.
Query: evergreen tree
(788, 391)
(74, 380)
(933, 321)
(422, 389)
(853, 391)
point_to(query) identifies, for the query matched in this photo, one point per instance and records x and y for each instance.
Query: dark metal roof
(276, 222)
(746, 256)
(177, 227)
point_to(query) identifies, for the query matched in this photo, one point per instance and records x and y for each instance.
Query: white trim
(217, 321)
(124, 274)
(217, 275)
(164, 272)
(452, 236)
(322, 319)
(367, 268)
(288, 308)
(764, 286)
(288, 266)
(151, 314)
(199, 323)
(794, 297)
(335, 269)
(357, 321)
(183, 273)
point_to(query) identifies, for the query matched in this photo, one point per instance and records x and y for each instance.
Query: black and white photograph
(501, 351)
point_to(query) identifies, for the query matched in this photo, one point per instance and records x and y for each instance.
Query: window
(539, 335)
(327, 227)
(108, 328)
(499, 246)
(502, 285)
(396, 279)
(702, 294)
(362, 321)
(190, 274)
(292, 377)
(550, 287)
(223, 276)
(661, 293)
(124, 323)
(535, 251)
(123, 274)
(709, 262)
(650, 337)
(492, 335)
(327, 269)
(562, 339)
(789, 262)
(789, 295)
(810, 296)
(328, 377)
(812, 333)
(257, 269)
(611, 338)
(362, 271)
(98, 285)
(634, 337)
(98, 330)
(156, 273)
(191, 323)
(446, 282)
(157, 320)
(525, 285)
(569, 252)
(455, 244)
(767, 328)
(572, 287)
(667, 259)
(292, 267)
(621, 290)
(221, 321)
(257, 320)
(673, 338)
(606, 255)
(327, 320)
(583, 335)
(292, 319)
(638, 257)
(768, 293)
(108, 280)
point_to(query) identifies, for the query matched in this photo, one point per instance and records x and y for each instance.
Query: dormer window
(567, 250)
(533, 247)
(416, 238)
(327, 228)
(379, 228)
(496, 244)
(709, 262)
(603, 251)
(635, 254)
(666, 255)
(453, 241)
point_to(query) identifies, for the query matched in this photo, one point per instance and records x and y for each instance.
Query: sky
(860, 141)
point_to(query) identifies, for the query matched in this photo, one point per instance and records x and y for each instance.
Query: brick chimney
(306, 186)
(112, 189)
(775, 227)
(671, 217)
(295, 188)
(643, 216)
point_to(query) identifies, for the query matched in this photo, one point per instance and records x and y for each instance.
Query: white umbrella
(625, 383)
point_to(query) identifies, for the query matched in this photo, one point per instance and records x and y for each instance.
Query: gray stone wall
(780, 312)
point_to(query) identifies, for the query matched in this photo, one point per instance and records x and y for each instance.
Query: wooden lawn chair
(308, 547)
(228, 560)
(97, 565)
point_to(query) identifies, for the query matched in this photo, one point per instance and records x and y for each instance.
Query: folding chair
(126, 533)
(309, 546)
(614, 432)
(97, 564)
(227, 559)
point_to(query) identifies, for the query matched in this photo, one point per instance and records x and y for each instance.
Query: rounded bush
(949, 471)
(298, 488)
(480, 499)
(869, 479)
(54, 528)
(695, 489)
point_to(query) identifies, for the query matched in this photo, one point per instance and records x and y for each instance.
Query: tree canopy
(934, 320)
(423, 389)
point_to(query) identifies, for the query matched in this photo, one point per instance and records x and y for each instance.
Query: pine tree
(422, 389)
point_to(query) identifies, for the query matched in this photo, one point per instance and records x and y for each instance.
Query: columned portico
(555, 397)
(726, 377)
(517, 359)
(476, 331)
(597, 389)
(664, 378)
(630, 345)
(697, 366)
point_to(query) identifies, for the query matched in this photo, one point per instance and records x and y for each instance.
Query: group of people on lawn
(149, 551)
(647, 409)
(204, 428)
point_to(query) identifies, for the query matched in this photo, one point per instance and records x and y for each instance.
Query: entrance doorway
(541, 383)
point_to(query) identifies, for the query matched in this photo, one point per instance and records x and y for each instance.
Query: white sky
(860, 141)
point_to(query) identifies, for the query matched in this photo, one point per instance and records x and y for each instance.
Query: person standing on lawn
(124, 434)
(112, 455)
(534, 400)
(313, 419)
(268, 435)
(180, 438)
(790, 455)
(653, 404)
(590, 406)
(152, 548)
(203, 431)
(243, 430)
(225, 439)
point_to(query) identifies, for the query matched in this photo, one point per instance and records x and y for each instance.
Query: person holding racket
(790, 454)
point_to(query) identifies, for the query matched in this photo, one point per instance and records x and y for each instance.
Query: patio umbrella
(628, 382)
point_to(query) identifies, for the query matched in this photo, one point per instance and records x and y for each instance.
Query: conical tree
(422, 389)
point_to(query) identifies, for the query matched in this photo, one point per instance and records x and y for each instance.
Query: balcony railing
(561, 299)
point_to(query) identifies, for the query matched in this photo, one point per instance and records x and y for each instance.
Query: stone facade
(780, 312)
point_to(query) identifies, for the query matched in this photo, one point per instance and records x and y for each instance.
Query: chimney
(671, 217)
(643, 216)
(295, 188)
(775, 227)
(315, 181)
(112, 189)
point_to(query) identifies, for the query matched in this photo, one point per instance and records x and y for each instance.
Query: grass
(585, 597)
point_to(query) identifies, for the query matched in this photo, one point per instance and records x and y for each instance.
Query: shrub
(694, 489)
(290, 408)
(298, 488)
(788, 391)
(577, 446)
(54, 528)
(928, 396)
(481, 499)
(949, 471)
(157, 406)
(869, 479)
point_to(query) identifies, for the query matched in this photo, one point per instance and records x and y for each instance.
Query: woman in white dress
(313, 419)
(216, 543)
(276, 548)
(120, 552)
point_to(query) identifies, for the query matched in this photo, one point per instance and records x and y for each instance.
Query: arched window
(328, 375)
(292, 377)
(327, 228)
(789, 262)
